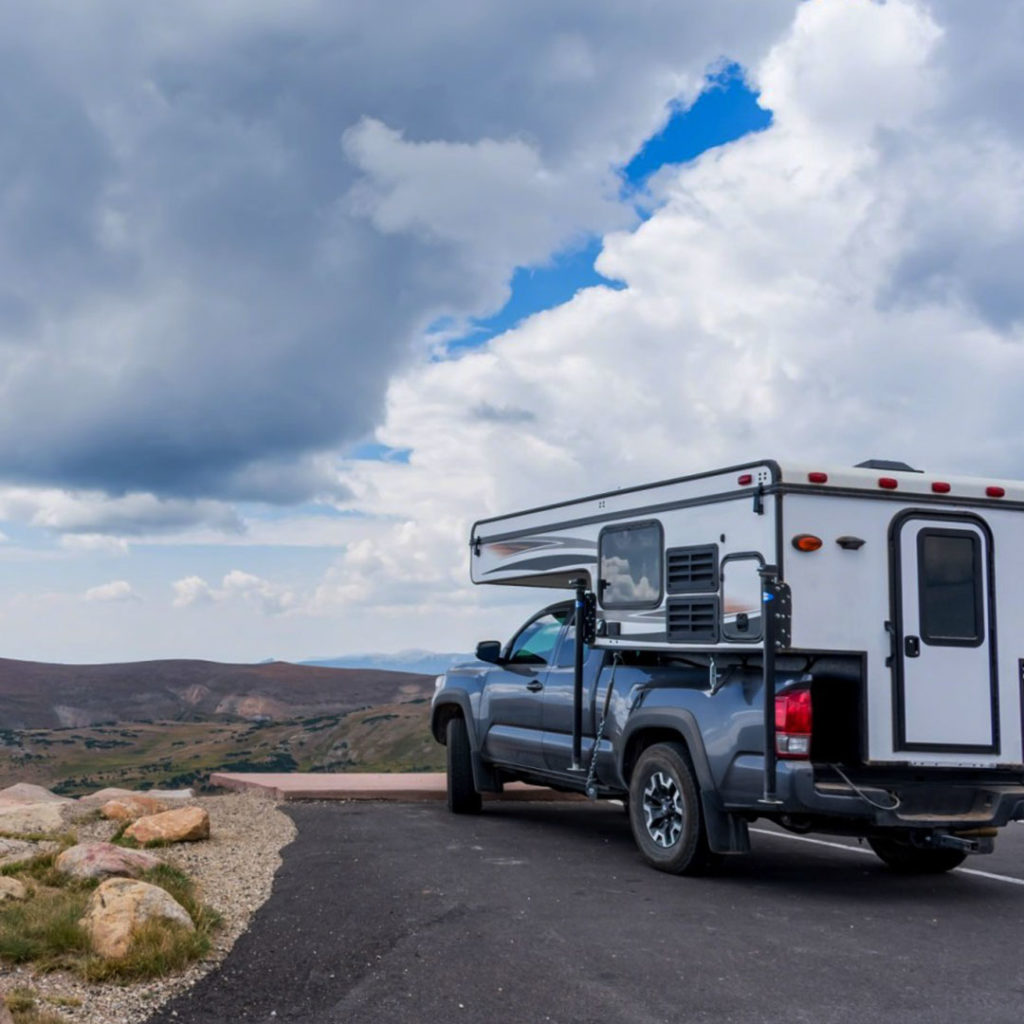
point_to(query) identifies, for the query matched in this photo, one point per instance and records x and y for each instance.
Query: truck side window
(949, 578)
(536, 642)
(631, 565)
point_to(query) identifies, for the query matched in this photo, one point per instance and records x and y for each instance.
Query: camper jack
(835, 650)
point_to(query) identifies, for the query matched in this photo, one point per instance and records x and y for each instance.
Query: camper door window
(631, 565)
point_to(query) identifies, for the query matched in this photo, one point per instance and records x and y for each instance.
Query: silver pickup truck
(679, 738)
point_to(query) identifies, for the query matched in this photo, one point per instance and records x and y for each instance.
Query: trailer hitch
(972, 842)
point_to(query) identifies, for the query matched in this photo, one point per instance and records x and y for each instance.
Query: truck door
(514, 691)
(946, 691)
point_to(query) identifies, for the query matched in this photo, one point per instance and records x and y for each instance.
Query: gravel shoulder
(234, 870)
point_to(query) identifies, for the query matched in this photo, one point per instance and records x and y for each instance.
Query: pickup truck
(678, 736)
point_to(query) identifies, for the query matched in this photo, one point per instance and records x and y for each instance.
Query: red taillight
(889, 483)
(995, 492)
(940, 487)
(818, 478)
(793, 722)
(745, 480)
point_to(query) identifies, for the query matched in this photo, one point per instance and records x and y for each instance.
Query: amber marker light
(806, 542)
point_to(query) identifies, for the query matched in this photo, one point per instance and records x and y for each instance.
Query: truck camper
(832, 649)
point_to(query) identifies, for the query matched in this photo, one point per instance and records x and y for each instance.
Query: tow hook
(976, 841)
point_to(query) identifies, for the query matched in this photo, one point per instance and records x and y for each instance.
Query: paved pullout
(531, 912)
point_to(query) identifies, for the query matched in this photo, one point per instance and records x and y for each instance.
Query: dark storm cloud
(189, 303)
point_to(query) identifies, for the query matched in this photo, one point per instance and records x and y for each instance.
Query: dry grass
(44, 930)
(25, 1009)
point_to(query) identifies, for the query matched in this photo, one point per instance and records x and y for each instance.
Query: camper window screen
(631, 572)
(949, 575)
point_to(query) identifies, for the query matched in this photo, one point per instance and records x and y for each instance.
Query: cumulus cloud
(93, 514)
(112, 592)
(270, 598)
(836, 287)
(222, 226)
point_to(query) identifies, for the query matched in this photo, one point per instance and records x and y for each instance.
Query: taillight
(793, 721)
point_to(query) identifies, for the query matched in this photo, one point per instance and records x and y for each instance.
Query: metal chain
(592, 769)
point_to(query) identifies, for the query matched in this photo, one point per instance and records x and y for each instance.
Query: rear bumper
(962, 804)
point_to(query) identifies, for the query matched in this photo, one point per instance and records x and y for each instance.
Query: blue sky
(726, 110)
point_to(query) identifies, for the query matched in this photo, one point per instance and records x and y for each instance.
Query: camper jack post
(770, 592)
(577, 676)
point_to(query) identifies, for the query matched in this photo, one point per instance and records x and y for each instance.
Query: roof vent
(898, 467)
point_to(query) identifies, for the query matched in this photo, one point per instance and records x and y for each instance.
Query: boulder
(12, 889)
(120, 906)
(101, 796)
(104, 860)
(26, 793)
(129, 808)
(21, 819)
(185, 824)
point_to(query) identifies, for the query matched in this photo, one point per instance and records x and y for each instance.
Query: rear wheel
(901, 855)
(462, 795)
(665, 813)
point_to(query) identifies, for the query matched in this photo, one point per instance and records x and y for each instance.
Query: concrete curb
(405, 787)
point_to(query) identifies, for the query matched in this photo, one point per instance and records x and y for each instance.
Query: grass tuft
(44, 930)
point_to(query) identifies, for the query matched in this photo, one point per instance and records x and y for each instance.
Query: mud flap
(727, 833)
(485, 778)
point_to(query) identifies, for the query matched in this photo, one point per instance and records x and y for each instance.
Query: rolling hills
(165, 723)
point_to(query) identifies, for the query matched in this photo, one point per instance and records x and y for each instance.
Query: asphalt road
(545, 912)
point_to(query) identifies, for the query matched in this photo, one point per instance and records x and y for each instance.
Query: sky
(290, 295)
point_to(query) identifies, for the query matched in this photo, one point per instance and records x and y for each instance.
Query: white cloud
(270, 598)
(834, 288)
(114, 591)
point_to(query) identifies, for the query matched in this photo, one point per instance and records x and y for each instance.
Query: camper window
(631, 571)
(950, 578)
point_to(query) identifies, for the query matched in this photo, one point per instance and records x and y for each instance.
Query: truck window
(631, 572)
(536, 642)
(949, 582)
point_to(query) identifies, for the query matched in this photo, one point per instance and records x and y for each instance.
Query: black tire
(906, 859)
(665, 812)
(462, 795)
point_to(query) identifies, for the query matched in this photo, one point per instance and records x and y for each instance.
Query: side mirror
(489, 651)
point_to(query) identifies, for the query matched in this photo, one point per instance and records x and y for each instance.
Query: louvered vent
(692, 620)
(692, 570)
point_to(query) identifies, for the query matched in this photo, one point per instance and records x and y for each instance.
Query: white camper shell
(918, 576)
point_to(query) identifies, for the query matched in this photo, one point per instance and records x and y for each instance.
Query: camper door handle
(911, 646)
(535, 686)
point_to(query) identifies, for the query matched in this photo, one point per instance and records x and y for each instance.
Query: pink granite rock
(130, 808)
(120, 906)
(186, 824)
(104, 860)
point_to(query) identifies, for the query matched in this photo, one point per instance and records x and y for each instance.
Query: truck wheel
(902, 856)
(665, 814)
(462, 795)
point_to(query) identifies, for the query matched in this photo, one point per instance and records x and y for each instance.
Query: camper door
(945, 685)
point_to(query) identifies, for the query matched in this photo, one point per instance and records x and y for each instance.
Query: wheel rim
(663, 809)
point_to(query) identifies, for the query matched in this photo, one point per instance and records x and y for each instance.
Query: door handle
(912, 646)
(535, 686)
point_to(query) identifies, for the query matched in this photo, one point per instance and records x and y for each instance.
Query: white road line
(858, 849)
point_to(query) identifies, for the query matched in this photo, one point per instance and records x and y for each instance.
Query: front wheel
(665, 813)
(902, 856)
(462, 795)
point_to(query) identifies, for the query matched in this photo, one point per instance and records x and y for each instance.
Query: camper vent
(692, 620)
(692, 570)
